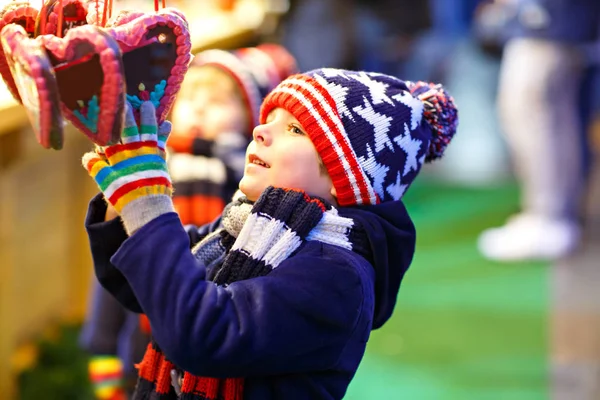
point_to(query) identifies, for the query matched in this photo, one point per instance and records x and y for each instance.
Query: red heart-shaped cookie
(36, 84)
(156, 54)
(90, 77)
(19, 13)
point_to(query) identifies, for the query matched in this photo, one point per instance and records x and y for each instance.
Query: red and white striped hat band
(234, 67)
(372, 131)
(316, 110)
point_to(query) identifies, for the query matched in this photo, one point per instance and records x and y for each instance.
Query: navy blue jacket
(297, 333)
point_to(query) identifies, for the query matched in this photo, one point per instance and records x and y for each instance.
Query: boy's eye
(296, 130)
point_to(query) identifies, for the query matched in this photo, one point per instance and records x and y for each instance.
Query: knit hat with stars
(372, 131)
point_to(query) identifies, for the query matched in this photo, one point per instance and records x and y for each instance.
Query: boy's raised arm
(297, 318)
(106, 236)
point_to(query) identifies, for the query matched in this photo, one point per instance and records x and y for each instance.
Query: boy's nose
(261, 134)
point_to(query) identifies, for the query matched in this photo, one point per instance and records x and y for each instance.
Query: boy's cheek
(250, 148)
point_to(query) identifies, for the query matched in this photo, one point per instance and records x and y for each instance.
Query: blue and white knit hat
(372, 131)
(256, 71)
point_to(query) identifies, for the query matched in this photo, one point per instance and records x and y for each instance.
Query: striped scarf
(253, 239)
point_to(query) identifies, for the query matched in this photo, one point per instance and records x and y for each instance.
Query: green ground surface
(464, 327)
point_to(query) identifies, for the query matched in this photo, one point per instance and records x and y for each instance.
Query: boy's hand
(111, 213)
(133, 174)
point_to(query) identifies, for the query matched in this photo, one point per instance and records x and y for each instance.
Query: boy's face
(209, 104)
(282, 155)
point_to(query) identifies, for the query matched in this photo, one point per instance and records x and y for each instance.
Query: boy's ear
(333, 192)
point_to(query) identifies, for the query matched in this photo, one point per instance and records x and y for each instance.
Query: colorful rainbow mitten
(133, 174)
(106, 376)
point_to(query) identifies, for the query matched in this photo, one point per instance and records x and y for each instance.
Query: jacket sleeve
(298, 318)
(106, 237)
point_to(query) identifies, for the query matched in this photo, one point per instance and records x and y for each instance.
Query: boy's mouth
(254, 159)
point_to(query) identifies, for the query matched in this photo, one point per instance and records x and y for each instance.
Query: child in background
(277, 298)
(115, 340)
(213, 117)
(212, 120)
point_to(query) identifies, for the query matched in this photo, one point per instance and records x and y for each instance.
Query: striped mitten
(133, 174)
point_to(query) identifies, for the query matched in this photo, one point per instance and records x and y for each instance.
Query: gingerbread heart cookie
(35, 83)
(156, 54)
(19, 13)
(90, 77)
(88, 72)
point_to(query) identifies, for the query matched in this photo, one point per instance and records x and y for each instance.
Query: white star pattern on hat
(339, 93)
(415, 105)
(376, 89)
(380, 122)
(332, 72)
(376, 171)
(396, 190)
(411, 147)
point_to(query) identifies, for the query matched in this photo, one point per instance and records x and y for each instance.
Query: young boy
(213, 117)
(277, 298)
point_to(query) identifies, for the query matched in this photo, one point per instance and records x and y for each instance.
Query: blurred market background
(466, 327)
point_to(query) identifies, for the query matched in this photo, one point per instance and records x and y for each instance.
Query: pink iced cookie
(20, 13)
(156, 54)
(90, 76)
(36, 84)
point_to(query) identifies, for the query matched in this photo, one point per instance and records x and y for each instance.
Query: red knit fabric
(288, 96)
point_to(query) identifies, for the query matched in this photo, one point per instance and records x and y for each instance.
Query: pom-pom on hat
(372, 131)
(256, 70)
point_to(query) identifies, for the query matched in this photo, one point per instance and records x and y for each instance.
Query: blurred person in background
(461, 51)
(115, 340)
(542, 74)
(370, 35)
